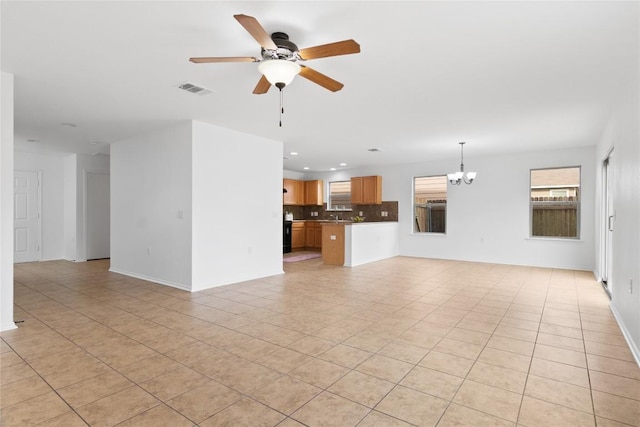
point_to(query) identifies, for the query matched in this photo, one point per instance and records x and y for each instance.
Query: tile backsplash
(371, 213)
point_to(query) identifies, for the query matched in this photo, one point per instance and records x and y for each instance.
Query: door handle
(610, 225)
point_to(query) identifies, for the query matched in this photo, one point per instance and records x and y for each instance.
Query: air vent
(195, 89)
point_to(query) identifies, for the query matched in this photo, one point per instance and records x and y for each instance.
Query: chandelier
(457, 177)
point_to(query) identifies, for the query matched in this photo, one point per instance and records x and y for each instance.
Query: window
(555, 202)
(430, 204)
(339, 195)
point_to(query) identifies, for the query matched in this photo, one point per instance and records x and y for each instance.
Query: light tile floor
(400, 342)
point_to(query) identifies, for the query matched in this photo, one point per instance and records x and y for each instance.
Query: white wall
(196, 206)
(150, 184)
(51, 166)
(622, 134)
(292, 175)
(369, 242)
(6, 202)
(488, 221)
(63, 193)
(237, 206)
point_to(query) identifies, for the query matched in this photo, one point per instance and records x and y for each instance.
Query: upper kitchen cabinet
(366, 190)
(313, 193)
(295, 192)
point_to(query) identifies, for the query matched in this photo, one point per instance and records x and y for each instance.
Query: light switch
(180, 214)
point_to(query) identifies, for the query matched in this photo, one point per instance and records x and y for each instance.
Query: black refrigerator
(286, 237)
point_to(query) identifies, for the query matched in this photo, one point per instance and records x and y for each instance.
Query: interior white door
(26, 216)
(98, 216)
(609, 220)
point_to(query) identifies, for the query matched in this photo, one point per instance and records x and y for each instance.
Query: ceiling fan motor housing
(286, 50)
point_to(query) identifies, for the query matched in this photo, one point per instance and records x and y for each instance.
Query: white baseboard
(627, 336)
(151, 279)
(8, 326)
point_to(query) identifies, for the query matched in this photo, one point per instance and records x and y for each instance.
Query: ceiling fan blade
(207, 59)
(254, 28)
(319, 78)
(262, 86)
(344, 47)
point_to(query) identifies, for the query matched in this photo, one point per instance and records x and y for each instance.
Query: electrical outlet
(360, 213)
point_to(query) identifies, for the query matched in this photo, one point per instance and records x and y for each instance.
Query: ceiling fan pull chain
(281, 106)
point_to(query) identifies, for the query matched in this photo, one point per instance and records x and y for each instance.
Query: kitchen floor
(400, 342)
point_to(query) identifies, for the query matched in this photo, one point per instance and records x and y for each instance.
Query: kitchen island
(351, 244)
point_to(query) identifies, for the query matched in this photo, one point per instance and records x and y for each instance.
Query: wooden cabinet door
(289, 198)
(318, 236)
(300, 193)
(356, 191)
(309, 235)
(295, 192)
(313, 193)
(297, 235)
(366, 190)
(372, 190)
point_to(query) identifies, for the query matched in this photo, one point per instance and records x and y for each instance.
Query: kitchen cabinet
(313, 193)
(313, 235)
(297, 236)
(295, 192)
(366, 190)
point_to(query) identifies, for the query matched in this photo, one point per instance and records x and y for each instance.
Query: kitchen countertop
(344, 221)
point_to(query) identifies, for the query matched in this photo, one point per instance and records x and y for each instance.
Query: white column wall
(6, 202)
(70, 210)
(150, 184)
(623, 135)
(237, 206)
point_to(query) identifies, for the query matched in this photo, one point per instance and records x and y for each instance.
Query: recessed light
(373, 150)
(332, 169)
(306, 168)
(294, 153)
(34, 141)
(68, 125)
(343, 164)
(94, 143)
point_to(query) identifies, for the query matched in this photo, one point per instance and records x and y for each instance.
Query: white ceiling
(503, 76)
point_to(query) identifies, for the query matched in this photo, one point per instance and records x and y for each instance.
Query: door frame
(607, 220)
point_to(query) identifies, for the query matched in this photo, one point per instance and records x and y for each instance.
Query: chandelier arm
(458, 177)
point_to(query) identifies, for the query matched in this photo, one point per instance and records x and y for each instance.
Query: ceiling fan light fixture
(279, 71)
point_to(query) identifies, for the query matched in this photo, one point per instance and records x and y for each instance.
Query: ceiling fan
(279, 58)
